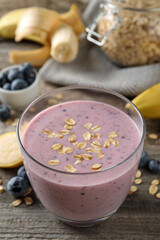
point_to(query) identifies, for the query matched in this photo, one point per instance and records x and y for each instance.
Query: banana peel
(73, 19)
(35, 57)
(148, 102)
(8, 23)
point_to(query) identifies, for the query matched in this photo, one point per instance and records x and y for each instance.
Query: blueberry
(143, 160)
(3, 79)
(154, 166)
(17, 186)
(22, 173)
(26, 67)
(18, 84)
(7, 86)
(4, 112)
(14, 74)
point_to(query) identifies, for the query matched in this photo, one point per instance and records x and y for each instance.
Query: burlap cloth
(92, 68)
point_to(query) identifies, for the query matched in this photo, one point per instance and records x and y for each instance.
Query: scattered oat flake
(107, 143)
(77, 162)
(52, 101)
(15, 122)
(57, 135)
(69, 150)
(8, 121)
(112, 135)
(79, 157)
(155, 182)
(87, 136)
(115, 143)
(29, 190)
(65, 132)
(138, 181)
(96, 150)
(50, 136)
(47, 131)
(86, 156)
(57, 146)
(89, 149)
(101, 155)
(28, 201)
(72, 138)
(70, 168)
(158, 195)
(1, 189)
(153, 136)
(88, 125)
(153, 189)
(75, 143)
(68, 127)
(70, 121)
(96, 128)
(62, 150)
(133, 189)
(17, 202)
(97, 167)
(54, 162)
(32, 109)
(81, 145)
(58, 96)
(96, 144)
(138, 174)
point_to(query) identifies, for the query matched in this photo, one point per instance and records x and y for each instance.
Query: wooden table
(137, 219)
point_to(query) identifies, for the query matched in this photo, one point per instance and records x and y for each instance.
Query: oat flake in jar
(128, 31)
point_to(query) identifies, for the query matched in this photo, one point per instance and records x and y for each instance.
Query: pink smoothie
(87, 193)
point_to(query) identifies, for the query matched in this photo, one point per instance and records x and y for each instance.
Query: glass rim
(82, 87)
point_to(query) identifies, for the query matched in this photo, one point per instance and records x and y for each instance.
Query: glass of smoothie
(81, 148)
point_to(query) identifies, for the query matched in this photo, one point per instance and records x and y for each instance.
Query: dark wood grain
(137, 219)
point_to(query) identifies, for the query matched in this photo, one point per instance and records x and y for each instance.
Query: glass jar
(128, 31)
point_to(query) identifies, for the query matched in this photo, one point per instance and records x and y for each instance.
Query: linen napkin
(92, 68)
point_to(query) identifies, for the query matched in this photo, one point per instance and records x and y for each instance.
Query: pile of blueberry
(153, 165)
(17, 78)
(18, 185)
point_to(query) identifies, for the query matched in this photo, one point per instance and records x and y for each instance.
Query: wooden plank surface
(137, 219)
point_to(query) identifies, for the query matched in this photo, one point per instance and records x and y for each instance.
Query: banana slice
(64, 44)
(10, 154)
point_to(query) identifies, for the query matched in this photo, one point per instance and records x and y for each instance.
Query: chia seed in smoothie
(77, 158)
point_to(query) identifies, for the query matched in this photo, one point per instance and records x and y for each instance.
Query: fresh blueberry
(14, 74)
(154, 166)
(17, 186)
(18, 84)
(7, 86)
(26, 68)
(3, 79)
(144, 159)
(4, 112)
(22, 173)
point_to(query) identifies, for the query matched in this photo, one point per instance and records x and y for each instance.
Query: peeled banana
(64, 44)
(35, 57)
(148, 102)
(37, 23)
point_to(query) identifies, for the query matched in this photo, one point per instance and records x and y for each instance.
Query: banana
(35, 57)
(148, 102)
(64, 44)
(73, 18)
(8, 23)
(38, 23)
